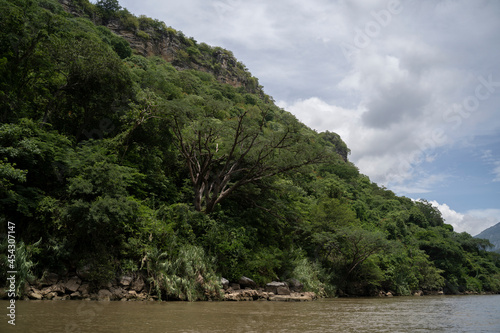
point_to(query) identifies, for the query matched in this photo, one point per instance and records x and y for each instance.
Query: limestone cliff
(149, 37)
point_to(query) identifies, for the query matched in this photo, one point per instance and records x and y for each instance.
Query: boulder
(51, 295)
(272, 287)
(224, 283)
(84, 289)
(76, 295)
(143, 296)
(125, 280)
(137, 284)
(294, 297)
(35, 294)
(132, 294)
(104, 295)
(235, 286)
(283, 290)
(46, 290)
(59, 288)
(73, 284)
(118, 292)
(295, 285)
(245, 282)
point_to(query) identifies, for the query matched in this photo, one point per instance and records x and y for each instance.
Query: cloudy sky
(413, 87)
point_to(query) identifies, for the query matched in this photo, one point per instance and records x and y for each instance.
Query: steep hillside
(150, 37)
(146, 156)
(493, 235)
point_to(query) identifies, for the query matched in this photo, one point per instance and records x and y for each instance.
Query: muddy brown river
(397, 314)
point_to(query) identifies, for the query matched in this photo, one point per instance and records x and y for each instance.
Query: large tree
(227, 146)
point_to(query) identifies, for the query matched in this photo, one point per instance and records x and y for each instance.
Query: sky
(412, 87)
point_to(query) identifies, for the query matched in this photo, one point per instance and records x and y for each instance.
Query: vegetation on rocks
(115, 163)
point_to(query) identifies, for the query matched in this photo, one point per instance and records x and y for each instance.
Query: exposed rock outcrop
(174, 47)
(52, 287)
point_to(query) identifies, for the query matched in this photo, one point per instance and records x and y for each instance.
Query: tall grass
(23, 265)
(189, 275)
(313, 277)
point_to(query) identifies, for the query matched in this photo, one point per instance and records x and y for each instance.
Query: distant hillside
(493, 235)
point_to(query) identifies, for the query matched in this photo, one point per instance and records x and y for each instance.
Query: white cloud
(472, 221)
(396, 101)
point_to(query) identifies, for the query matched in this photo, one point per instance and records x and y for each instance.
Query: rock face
(278, 288)
(274, 291)
(175, 48)
(133, 288)
(295, 285)
(73, 284)
(245, 282)
(53, 287)
(260, 295)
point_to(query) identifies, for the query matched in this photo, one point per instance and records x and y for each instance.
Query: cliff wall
(149, 37)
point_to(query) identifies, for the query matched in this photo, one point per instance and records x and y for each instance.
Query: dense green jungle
(184, 171)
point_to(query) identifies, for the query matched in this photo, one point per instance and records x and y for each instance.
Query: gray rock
(46, 290)
(35, 294)
(73, 284)
(51, 295)
(224, 283)
(59, 288)
(272, 287)
(138, 284)
(84, 289)
(132, 294)
(245, 282)
(118, 293)
(283, 291)
(126, 280)
(104, 295)
(235, 286)
(295, 285)
(76, 295)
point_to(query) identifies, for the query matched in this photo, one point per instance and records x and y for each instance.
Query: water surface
(397, 314)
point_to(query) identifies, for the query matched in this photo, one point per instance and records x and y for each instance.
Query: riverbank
(134, 288)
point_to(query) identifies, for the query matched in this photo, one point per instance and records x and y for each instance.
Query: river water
(398, 314)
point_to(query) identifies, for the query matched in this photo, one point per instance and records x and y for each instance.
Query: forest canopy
(115, 163)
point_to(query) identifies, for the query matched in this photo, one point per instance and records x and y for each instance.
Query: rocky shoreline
(246, 290)
(134, 288)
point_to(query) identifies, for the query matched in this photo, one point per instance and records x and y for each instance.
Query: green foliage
(189, 275)
(19, 255)
(121, 163)
(313, 276)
